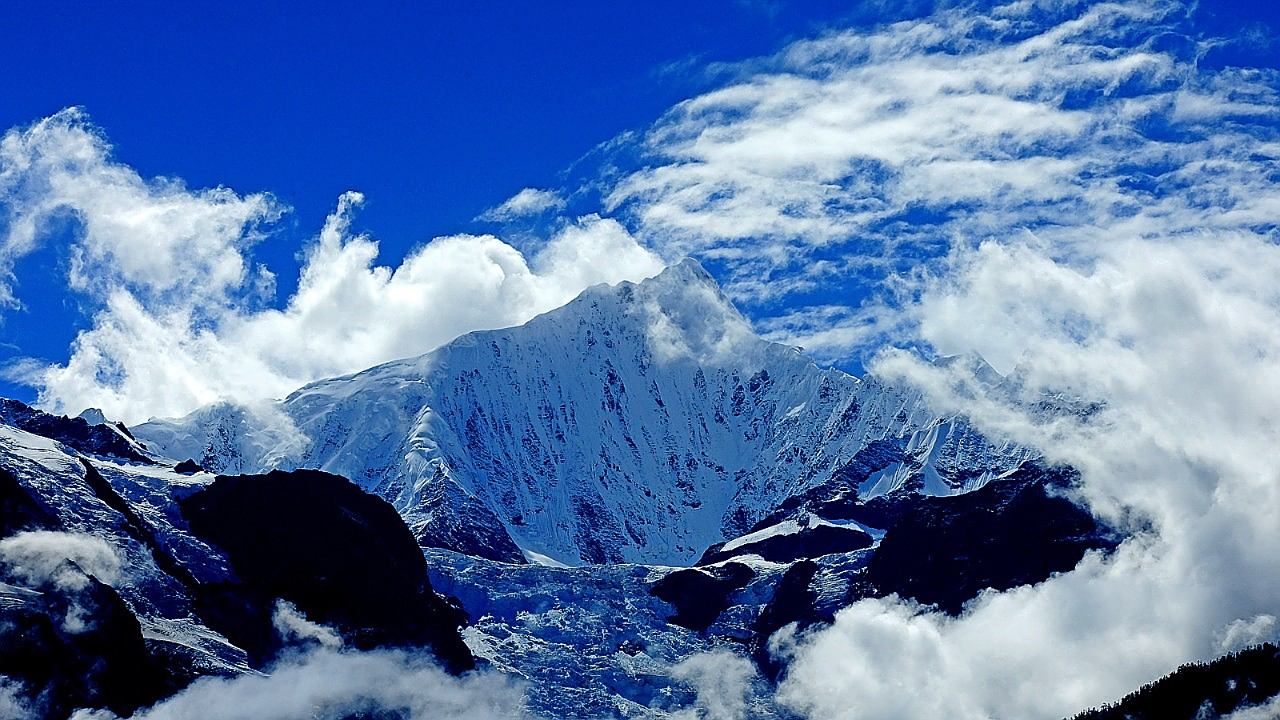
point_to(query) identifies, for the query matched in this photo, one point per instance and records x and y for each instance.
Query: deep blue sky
(434, 110)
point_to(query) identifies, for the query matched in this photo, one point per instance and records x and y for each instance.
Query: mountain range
(639, 423)
(501, 503)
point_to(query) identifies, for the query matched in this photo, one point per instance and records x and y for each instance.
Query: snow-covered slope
(640, 422)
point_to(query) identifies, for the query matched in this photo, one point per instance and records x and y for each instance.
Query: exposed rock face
(342, 556)
(97, 439)
(1014, 532)
(809, 536)
(701, 594)
(187, 467)
(183, 606)
(794, 600)
(20, 510)
(78, 648)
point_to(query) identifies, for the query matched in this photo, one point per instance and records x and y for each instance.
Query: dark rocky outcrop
(701, 594)
(812, 541)
(343, 557)
(793, 601)
(188, 467)
(837, 497)
(76, 433)
(1012, 532)
(78, 646)
(19, 510)
(938, 550)
(463, 524)
(133, 524)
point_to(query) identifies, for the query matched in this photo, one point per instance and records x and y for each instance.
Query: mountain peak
(686, 271)
(683, 279)
(683, 312)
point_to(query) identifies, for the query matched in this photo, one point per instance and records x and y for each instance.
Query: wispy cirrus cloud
(818, 185)
(866, 155)
(529, 201)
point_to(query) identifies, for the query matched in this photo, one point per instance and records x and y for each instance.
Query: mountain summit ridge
(640, 422)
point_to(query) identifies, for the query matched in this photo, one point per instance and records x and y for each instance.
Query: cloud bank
(1179, 337)
(184, 316)
(328, 683)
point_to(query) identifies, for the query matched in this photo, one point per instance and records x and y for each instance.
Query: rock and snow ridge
(641, 422)
(122, 580)
(807, 475)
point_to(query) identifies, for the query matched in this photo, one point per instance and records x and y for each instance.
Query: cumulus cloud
(1176, 337)
(184, 315)
(331, 684)
(1247, 632)
(529, 201)
(158, 238)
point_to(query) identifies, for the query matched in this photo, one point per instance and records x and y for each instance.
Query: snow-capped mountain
(123, 579)
(642, 422)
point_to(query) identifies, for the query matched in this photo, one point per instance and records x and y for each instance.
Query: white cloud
(63, 560)
(294, 627)
(39, 557)
(1247, 632)
(12, 704)
(529, 201)
(332, 684)
(1265, 711)
(1179, 336)
(180, 320)
(864, 155)
(159, 238)
(826, 332)
(722, 682)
